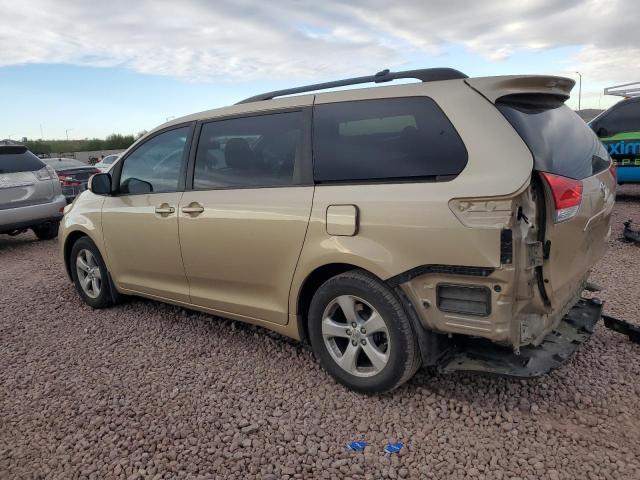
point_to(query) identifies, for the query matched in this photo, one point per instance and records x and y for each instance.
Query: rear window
(15, 159)
(62, 164)
(560, 141)
(385, 139)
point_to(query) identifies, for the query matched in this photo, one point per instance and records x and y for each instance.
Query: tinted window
(264, 150)
(110, 159)
(623, 118)
(156, 165)
(385, 139)
(18, 159)
(560, 141)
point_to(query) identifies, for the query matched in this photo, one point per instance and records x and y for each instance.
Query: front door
(243, 225)
(140, 221)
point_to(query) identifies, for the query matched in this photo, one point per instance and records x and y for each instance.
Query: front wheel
(90, 274)
(361, 334)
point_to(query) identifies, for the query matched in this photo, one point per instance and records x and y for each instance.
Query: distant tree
(114, 141)
(38, 146)
(95, 144)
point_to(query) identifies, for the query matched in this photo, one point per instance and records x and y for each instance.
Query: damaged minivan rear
(552, 232)
(450, 222)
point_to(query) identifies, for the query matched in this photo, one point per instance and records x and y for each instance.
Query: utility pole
(41, 135)
(67, 132)
(579, 90)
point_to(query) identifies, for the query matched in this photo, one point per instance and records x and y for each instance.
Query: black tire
(104, 298)
(403, 358)
(47, 231)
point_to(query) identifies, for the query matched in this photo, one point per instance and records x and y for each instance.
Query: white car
(107, 162)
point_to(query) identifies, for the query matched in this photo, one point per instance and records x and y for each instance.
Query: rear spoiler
(495, 88)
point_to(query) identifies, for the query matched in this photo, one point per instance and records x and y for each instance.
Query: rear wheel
(47, 231)
(361, 334)
(90, 274)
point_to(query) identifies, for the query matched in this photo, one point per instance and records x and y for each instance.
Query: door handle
(165, 209)
(194, 208)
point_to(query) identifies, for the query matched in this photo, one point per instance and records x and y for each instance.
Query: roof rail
(425, 74)
(627, 90)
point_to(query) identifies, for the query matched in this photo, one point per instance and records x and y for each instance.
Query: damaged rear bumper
(477, 355)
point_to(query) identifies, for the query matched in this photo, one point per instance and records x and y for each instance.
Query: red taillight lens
(68, 181)
(613, 171)
(567, 195)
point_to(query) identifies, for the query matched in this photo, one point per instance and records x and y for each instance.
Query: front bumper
(477, 355)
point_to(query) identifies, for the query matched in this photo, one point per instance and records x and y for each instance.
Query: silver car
(30, 193)
(107, 162)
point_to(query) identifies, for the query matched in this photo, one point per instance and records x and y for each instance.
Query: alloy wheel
(356, 336)
(89, 274)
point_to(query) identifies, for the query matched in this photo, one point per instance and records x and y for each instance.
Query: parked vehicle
(73, 175)
(107, 162)
(619, 129)
(451, 222)
(30, 194)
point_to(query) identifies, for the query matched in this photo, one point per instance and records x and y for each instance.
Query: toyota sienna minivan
(451, 222)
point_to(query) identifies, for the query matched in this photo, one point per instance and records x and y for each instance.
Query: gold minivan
(450, 222)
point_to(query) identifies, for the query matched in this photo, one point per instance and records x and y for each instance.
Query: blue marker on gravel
(357, 446)
(393, 447)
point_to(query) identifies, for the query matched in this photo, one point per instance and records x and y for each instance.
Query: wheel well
(309, 287)
(72, 238)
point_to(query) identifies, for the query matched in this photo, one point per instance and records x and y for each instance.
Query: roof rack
(425, 74)
(627, 90)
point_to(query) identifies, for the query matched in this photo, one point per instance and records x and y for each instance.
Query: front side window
(623, 118)
(385, 139)
(156, 165)
(257, 151)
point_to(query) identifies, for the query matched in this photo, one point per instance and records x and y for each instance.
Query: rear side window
(560, 141)
(15, 159)
(257, 151)
(385, 139)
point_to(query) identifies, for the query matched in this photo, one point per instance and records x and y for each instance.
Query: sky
(88, 69)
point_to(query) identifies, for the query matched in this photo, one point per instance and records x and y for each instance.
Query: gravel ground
(146, 390)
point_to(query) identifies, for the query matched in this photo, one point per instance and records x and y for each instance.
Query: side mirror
(135, 185)
(100, 184)
(602, 132)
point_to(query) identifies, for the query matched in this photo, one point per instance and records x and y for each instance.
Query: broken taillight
(567, 195)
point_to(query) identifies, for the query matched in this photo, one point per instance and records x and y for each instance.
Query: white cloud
(203, 40)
